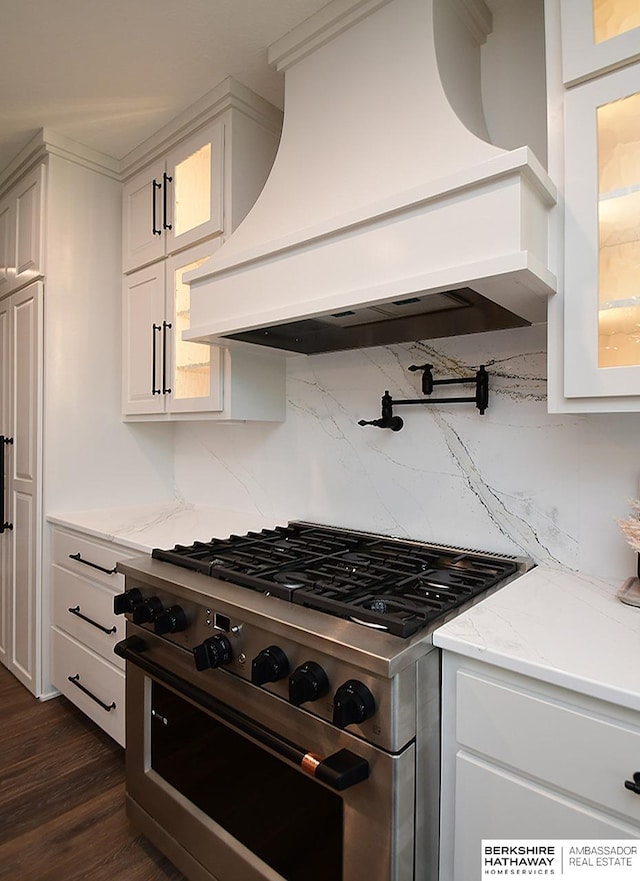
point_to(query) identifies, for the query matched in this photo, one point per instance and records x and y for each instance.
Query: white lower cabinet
(525, 760)
(85, 629)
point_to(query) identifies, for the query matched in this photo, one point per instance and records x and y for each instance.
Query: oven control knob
(307, 683)
(146, 611)
(353, 703)
(127, 601)
(214, 652)
(172, 620)
(269, 665)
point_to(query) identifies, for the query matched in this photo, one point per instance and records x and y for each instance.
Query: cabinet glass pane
(614, 17)
(192, 205)
(192, 360)
(619, 232)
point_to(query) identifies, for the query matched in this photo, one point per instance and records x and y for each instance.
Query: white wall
(514, 480)
(92, 459)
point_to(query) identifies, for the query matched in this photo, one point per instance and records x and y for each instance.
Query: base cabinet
(525, 760)
(85, 629)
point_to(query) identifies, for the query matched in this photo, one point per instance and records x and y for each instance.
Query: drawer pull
(633, 785)
(75, 680)
(93, 565)
(76, 611)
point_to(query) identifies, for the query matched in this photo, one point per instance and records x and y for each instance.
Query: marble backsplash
(516, 480)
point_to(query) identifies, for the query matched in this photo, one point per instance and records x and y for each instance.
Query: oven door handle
(339, 770)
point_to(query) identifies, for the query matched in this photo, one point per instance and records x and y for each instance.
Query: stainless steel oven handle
(339, 771)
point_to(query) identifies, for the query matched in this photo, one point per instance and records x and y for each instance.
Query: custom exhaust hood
(388, 216)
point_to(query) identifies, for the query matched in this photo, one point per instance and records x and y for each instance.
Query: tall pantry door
(20, 412)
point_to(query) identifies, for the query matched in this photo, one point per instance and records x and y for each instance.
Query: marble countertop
(144, 527)
(559, 626)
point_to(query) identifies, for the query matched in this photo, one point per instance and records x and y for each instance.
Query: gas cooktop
(394, 585)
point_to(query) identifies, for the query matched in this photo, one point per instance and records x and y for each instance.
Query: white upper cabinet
(602, 237)
(597, 36)
(162, 374)
(176, 201)
(186, 189)
(21, 219)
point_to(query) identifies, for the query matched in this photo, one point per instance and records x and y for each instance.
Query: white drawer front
(101, 679)
(562, 746)
(96, 560)
(85, 611)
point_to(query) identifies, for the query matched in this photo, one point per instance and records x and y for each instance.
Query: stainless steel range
(283, 700)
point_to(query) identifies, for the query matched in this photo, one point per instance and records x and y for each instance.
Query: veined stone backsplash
(516, 480)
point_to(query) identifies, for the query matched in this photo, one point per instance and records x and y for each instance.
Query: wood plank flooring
(62, 814)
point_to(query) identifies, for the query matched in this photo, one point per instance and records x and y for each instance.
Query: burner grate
(392, 584)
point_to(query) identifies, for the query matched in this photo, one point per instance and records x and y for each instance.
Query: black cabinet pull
(165, 326)
(154, 358)
(75, 680)
(3, 523)
(633, 785)
(166, 179)
(155, 186)
(93, 565)
(75, 610)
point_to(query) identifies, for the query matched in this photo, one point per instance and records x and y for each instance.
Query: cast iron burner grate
(391, 584)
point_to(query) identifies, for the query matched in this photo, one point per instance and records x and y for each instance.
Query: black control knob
(269, 665)
(126, 602)
(172, 620)
(214, 652)
(353, 703)
(307, 683)
(146, 611)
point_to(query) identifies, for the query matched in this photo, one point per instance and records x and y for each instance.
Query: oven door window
(291, 822)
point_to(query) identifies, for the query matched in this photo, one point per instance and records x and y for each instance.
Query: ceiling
(109, 74)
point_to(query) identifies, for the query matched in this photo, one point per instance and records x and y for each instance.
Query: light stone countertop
(144, 527)
(558, 626)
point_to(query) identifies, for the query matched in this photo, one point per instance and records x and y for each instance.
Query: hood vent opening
(386, 216)
(416, 318)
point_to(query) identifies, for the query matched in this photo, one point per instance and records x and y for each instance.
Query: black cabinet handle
(339, 771)
(75, 680)
(75, 610)
(166, 179)
(79, 559)
(165, 326)
(155, 186)
(154, 358)
(633, 785)
(3, 523)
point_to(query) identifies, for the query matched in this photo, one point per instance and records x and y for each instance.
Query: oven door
(216, 779)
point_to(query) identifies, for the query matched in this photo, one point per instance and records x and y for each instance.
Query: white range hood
(384, 218)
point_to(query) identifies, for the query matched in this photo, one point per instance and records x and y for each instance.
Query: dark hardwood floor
(62, 814)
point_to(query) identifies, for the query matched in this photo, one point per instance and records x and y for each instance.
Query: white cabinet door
(5, 432)
(7, 247)
(143, 332)
(194, 188)
(196, 368)
(602, 237)
(28, 227)
(143, 236)
(597, 36)
(21, 541)
(492, 803)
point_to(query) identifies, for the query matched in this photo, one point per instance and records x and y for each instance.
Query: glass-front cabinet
(176, 201)
(598, 36)
(602, 236)
(161, 372)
